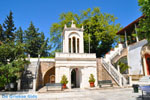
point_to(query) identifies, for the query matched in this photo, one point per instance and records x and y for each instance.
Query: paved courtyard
(76, 94)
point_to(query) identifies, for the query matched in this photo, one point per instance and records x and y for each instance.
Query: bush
(91, 78)
(64, 80)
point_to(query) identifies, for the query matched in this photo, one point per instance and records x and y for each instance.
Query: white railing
(117, 76)
(115, 52)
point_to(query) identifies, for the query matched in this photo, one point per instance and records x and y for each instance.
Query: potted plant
(112, 49)
(64, 81)
(91, 80)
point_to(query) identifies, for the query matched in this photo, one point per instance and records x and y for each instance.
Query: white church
(73, 59)
(77, 65)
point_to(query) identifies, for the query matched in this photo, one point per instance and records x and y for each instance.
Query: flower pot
(112, 49)
(91, 84)
(64, 86)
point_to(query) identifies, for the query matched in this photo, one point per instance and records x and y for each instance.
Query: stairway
(107, 64)
(27, 80)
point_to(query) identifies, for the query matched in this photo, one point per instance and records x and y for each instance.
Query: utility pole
(89, 42)
(89, 38)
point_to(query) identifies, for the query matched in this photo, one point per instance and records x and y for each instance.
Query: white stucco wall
(134, 58)
(82, 77)
(85, 63)
(59, 72)
(85, 76)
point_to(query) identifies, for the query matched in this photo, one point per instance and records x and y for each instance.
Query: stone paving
(77, 94)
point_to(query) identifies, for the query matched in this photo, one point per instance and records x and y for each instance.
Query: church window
(74, 45)
(78, 45)
(69, 45)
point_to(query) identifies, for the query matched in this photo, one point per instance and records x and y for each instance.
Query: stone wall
(45, 69)
(48, 74)
(102, 74)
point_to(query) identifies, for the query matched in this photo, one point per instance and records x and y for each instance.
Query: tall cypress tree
(12, 56)
(35, 42)
(44, 46)
(32, 40)
(9, 28)
(20, 35)
(1, 34)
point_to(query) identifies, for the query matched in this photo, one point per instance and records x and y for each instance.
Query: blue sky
(45, 12)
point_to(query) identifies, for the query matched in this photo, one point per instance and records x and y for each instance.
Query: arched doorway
(124, 68)
(145, 53)
(147, 58)
(75, 79)
(49, 76)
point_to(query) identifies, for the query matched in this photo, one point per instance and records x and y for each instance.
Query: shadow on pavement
(146, 96)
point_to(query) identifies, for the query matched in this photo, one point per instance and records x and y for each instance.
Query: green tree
(123, 67)
(102, 31)
(9, 28)
(1, 34)
(32, 40)
(57, 28)
(12, 60)
(99, 26)
(44, 46)
(35, 42)
(19, 35)
(12, 56)
(144, 30)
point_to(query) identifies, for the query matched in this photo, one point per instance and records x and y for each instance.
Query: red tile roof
(129, 28)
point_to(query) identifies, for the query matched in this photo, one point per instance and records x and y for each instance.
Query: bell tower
(73, 39)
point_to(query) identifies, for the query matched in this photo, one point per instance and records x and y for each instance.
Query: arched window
(74, 44)
(52, 79)
(78, 45)
(69, 45)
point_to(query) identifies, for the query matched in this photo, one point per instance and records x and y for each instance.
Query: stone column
(145, 69)
(34, 84)
(69, 78)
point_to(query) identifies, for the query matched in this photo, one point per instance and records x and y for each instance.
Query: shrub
(64, 80)
(91, 78)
